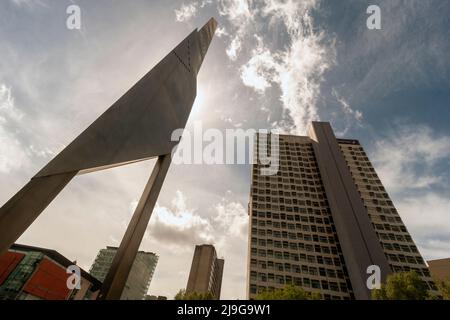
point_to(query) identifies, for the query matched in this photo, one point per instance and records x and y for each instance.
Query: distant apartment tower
(140, 275)
(323, 219)
(440, 268)
(33, 273)
(206, 271)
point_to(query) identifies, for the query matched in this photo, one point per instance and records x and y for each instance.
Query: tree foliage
(183, 295)
(289, 292)
(402, 286)
(444, 287)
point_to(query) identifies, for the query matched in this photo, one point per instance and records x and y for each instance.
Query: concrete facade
(206, 271)
(323, 219)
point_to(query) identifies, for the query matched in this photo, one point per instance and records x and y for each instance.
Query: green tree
(183, 295)
(289, 292)
(402, 286)
(444, 287)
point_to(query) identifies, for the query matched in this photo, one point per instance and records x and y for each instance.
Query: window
(315, 284)
(334, 286)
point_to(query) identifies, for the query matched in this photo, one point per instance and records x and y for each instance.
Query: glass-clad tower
(140, 275)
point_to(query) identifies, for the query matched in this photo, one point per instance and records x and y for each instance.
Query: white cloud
(221, 32)
(233, 49)
(348, 116)
(406, 162)
(189, 10)
(13, 155)
(7, 108)
(262, 68)
(356, 114)
(299, 78)
(22, 2)
(205, 2)
(183, 226)
(236, 10)
(14, 152)
(233, 218)
(179, 225)
(176, 229)
(231, 223)
(434, 248)
(406, 159)
(294, 14)
(425, 213)
(296, 69)
(239, 15)
(427, 219)
(186, 12)
(29, 3)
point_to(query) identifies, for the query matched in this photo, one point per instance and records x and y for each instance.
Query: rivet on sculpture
(136, 127)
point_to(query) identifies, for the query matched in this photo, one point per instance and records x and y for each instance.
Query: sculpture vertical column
(123, 260)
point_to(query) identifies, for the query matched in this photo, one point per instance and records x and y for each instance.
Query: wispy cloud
(409, 51)
(407, 161)
(234, 48)
(13, 155)
(406, 158)
(7, 107)
(349, 116)
(221, 31)
(427, 218)
(186, 12)
(30, 3)
(296, 69)
(240, 17)
(189, 10)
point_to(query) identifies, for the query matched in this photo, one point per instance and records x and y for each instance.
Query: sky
(273, 64)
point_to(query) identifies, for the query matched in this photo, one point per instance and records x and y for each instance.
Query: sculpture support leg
(21, 210)
(123, 260)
